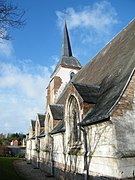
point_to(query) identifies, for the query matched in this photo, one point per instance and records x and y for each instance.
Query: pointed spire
(66, 48)
(66, 58)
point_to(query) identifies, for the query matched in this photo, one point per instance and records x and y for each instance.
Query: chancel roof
(42, 134)
(88, 93)
(33, 122)
(60, 127)
(110, 69)
(33, 137)
(41, 118)
(57, 111)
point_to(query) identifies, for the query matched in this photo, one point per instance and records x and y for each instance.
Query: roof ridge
(39, 114)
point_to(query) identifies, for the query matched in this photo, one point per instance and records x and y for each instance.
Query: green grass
(7, 170)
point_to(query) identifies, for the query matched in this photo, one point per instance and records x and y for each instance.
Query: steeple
(66, 58)
(66, 47)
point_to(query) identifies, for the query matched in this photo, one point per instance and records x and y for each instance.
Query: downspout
(85, 153)
(52, 162)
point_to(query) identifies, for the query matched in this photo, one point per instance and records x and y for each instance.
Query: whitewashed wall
(64, 74)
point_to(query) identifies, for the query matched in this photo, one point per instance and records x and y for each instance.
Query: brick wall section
(123, 117)
(126, 101)
(83, 106)
(55, 122)
(86, 108)
(57, 83)
(41, 129)
(52, 89)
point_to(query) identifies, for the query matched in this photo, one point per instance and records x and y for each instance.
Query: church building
(88, 129)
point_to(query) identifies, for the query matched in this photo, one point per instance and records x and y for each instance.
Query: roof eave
(91, 122)
(60, 131)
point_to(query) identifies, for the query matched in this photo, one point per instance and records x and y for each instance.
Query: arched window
(73, 114)
(71, 75)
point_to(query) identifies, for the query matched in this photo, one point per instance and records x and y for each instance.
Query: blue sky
(27, 61)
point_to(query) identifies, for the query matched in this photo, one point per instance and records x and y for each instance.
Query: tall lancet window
(73, 115)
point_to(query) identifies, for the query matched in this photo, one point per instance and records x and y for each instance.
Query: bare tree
(10, 16)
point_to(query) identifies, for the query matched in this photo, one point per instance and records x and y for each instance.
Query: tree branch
(10, 17)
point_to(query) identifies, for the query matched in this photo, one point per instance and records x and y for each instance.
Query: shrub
(20, 155)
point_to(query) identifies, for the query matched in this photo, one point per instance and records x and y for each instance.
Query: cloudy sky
(28, 60)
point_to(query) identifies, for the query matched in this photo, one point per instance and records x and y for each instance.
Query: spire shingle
(66, 47)
(66, 58)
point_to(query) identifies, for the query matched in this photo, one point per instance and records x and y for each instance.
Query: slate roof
(57, 111)
(88, 93)
(110, 69)
(69, 61)
(42, 134)
(67, 58)
(66, 47)
(33, 122)
(33, 137)
(41, 118)
(60, 127)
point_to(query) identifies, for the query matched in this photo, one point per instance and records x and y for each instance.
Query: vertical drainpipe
(85, 153)
(52, 163)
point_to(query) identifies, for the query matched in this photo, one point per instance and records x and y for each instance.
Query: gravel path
(28, 172)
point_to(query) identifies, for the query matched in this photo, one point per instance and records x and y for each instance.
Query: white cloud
(94, 21)
(17, 110)
(22, 95)
(29, 82)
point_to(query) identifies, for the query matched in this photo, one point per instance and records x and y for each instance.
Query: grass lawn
(7, 170)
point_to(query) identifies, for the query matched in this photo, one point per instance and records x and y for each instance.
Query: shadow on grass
(7, 170)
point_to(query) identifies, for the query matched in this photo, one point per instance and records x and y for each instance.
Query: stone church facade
(88, 129)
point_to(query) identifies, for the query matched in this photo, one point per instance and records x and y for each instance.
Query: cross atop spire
(66, 47)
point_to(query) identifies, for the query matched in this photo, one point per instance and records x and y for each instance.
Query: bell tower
(66, 67)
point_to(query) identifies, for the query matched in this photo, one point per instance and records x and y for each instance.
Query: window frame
(73, 115)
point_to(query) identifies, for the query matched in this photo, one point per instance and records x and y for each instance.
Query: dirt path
(28, 172)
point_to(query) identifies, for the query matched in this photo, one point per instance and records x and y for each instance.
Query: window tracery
(73, 111)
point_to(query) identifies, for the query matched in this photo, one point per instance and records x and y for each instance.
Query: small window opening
(71, 75)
